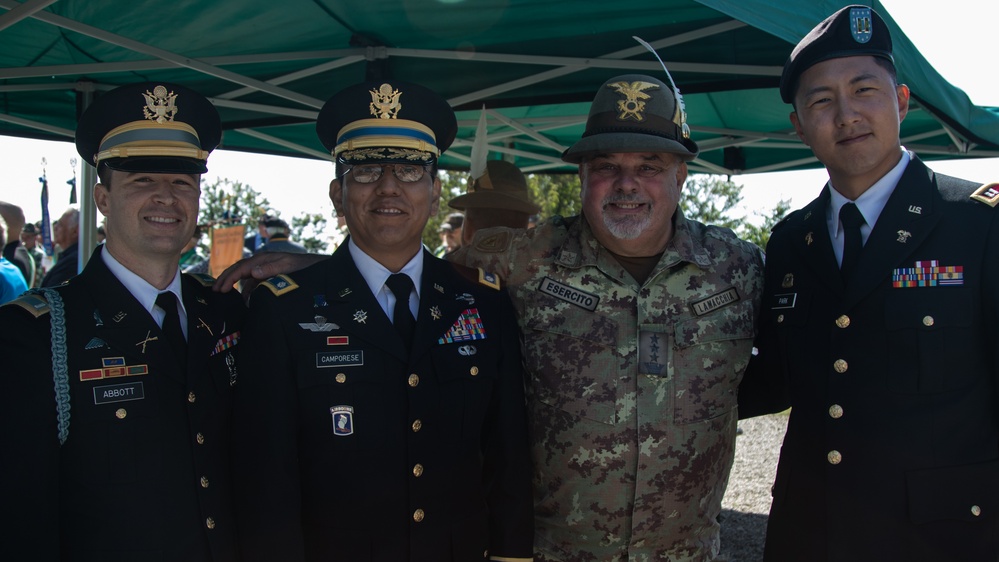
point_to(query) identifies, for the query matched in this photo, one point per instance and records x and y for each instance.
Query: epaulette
(988, 194)
(494, 243)
(35, 304)
(203, 278)
(280, 285)
(488, 279)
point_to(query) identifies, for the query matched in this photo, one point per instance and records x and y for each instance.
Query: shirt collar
(871, 202)
(139, 287)
(375, 274)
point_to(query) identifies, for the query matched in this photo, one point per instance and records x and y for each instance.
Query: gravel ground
(747, 499)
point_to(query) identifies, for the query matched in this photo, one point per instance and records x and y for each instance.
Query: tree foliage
(229, 203)
(714, 200)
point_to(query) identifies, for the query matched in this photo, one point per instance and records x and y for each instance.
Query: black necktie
(171, 323)
(851, 218)
(401, 286)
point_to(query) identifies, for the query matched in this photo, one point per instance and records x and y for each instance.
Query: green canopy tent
(532, 65)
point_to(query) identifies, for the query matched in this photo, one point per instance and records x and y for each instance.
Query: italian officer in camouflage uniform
(638, 324)
(116, 435)
(879, 327)
(380, 413)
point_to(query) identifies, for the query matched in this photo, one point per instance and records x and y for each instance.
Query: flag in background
(72, 190)
(46, 223)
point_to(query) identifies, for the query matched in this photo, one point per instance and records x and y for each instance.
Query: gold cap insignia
(385, 102)
(161, 105)
(633, 103)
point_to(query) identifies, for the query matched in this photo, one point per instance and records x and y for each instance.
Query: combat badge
(343, 420)
(320, 325)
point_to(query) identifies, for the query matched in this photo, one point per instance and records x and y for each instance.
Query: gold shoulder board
(280, 285)
(489, 279)
(203, 278)
(988, 194)
(35, 304)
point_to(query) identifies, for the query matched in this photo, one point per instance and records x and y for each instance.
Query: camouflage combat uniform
(632, 394)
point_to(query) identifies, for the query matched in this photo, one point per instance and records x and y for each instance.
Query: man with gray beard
(638, 324)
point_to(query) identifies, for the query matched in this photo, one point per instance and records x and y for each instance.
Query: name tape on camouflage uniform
(569, 294)
(714, 302)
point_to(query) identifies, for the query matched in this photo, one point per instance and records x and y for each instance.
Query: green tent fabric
(532, 65)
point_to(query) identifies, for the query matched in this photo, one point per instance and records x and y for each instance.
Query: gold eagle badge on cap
(161, 105)
(633, 103)
(385, 102)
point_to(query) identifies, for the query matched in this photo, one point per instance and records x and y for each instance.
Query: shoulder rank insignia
(35, 304)
(494, 243)
(489, 279)
(203, 278)
(988, 194)
(280, 285)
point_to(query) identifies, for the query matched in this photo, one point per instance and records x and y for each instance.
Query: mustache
(622, 198)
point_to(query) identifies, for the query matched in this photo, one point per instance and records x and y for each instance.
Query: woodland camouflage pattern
(633, 405)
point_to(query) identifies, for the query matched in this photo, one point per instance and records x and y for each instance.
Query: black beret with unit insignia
(850, 32)
(386, 120)
(154, 127)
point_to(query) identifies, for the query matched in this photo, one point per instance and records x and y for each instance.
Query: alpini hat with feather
(154, 127)
(634, 113)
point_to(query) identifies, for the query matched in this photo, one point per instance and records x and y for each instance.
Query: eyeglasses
(406, 173)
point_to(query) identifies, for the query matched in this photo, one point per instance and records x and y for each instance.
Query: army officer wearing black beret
(115, 436)
(880, 327)
(380, 412)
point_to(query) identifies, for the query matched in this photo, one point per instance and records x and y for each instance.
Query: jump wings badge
(385, 102)
(161, 105)
(633, 103)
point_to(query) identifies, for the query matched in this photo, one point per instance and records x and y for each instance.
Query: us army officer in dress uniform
(380, 413)
(116, 434)
(880, 324)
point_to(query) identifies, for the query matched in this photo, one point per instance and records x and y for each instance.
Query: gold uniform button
(834, 457)
(927, 321)
(204, 481)
(780, 318)
(418, 515)
(976, 511)
(418, 470)
(843, 321)
(191, 397)
(120, 413)
(835, 411)
(341, 378)
(200, 438)
(485, 554)
(840, 366)
(414, 380)
(210, 523)
(474, 370)
(417, 425)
